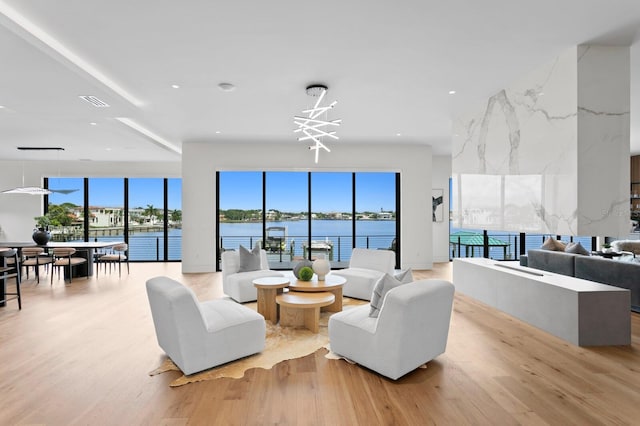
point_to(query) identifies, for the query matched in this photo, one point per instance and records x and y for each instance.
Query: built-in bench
(582, 312)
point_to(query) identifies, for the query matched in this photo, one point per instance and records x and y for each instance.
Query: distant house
(106, 216)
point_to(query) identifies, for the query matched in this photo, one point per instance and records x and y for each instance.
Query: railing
(149, 248)
(296, 247)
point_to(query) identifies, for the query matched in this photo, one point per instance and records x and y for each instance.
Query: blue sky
(109, 192)
(286, 191)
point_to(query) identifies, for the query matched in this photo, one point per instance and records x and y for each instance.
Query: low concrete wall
(581, 312)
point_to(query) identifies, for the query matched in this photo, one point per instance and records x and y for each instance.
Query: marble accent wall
(532, 158)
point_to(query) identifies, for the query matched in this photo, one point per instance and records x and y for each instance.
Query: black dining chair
(10, 268)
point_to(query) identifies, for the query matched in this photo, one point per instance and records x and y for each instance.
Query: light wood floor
(80, 354)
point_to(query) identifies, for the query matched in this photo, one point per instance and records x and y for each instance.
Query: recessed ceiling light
(218, 132)
(452, 92)
(1, 106)
(175, 86)
(93, 123)
(107, 149)
(226, 87)
(398, 134)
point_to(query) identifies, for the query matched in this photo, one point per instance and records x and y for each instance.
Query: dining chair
(10, 268)
(63, 258)
(118, 255)
(35, 257)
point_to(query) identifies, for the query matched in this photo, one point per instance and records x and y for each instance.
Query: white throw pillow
(404, 276)
(384, 284)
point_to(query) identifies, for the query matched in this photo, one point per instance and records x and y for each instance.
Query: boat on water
(276, 239)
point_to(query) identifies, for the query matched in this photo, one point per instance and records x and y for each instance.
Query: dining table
(86, 249)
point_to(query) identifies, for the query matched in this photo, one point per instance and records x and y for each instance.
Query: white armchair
(412, 328)
(201, 335)
(239, 285)
(366, 267)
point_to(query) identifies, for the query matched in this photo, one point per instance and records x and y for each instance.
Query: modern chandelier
(313, 126)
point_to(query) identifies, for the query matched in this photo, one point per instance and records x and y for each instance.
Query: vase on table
(321, 267)
(300, 265)
(41, 236)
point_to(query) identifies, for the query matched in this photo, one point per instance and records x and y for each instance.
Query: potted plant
(606, 248)
(42, 222)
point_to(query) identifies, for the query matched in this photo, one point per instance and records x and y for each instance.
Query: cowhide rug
(282, 343)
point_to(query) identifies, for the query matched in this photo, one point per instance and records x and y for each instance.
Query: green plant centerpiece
(42, 222)
(306, 273)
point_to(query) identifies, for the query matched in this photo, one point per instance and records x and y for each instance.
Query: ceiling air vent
(98, 103)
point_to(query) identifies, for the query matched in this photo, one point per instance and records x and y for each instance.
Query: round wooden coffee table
(303, 309)
(268, 289)
(332, 284)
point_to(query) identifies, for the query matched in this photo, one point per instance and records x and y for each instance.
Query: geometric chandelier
(312, 126)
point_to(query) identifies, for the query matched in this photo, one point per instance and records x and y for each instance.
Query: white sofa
(239, 285)
(412, 328)
(201, 335)
(366, 267)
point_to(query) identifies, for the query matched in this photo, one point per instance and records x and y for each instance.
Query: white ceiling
(390, 66)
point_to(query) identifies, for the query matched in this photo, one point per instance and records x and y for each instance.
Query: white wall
(441, 175)
(200, 161)
(18, 210)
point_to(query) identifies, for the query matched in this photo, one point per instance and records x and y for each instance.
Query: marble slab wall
(529, 159)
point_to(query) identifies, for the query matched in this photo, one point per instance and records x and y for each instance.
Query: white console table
(582, 312)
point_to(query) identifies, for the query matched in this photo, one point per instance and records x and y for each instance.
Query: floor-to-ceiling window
(106, 209)
(144, 212)
(174, 218)
(65, 209)
(286, 225)
(375, 210)
(239, 209)
(146, 218)
(307, 213)
(331, 217)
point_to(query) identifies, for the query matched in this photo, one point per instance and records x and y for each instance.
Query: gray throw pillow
(384, 284)
(576, 248)
(249, 260)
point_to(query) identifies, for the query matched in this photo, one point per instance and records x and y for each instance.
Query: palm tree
(150, 212)
(176, 216)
